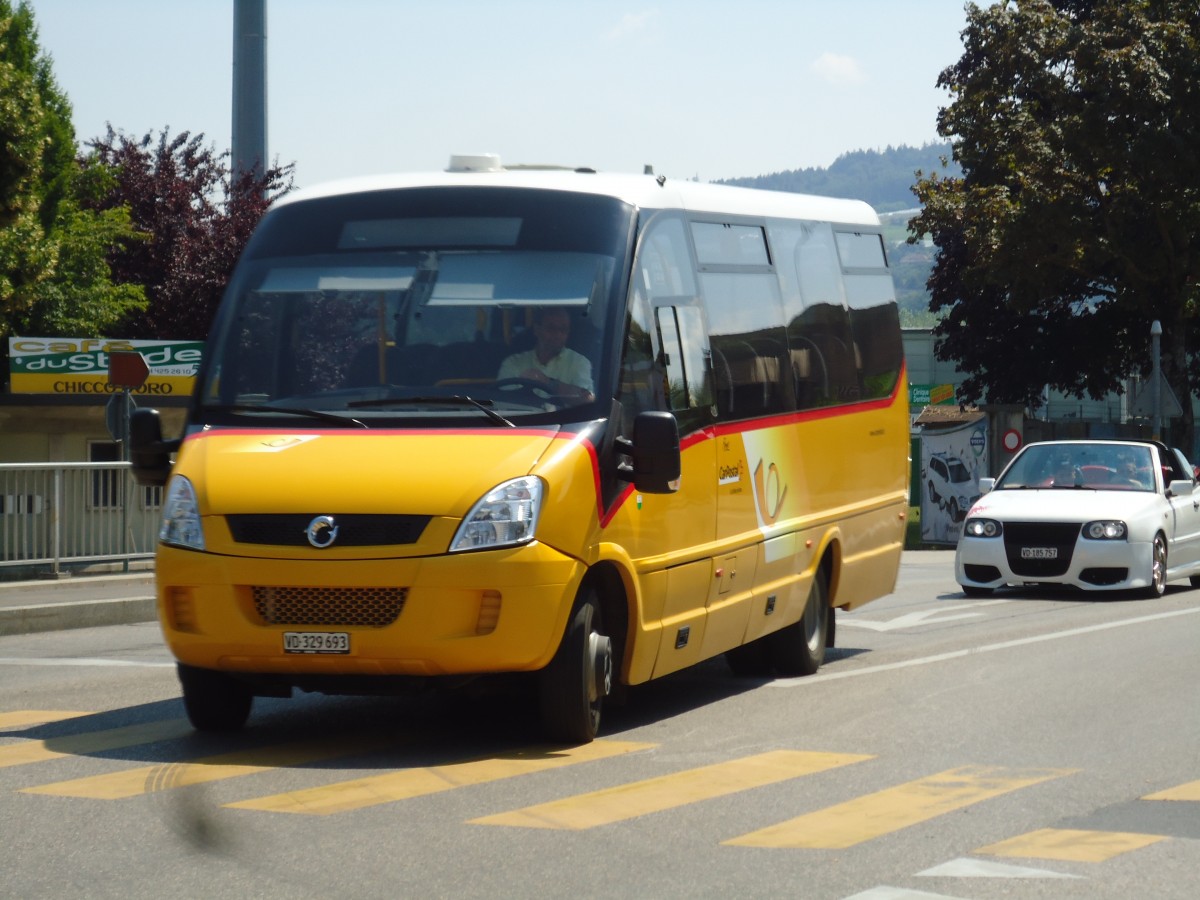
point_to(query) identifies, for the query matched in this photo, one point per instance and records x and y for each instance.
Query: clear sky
(696, 88)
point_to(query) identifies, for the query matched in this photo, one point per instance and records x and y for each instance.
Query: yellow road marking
(93, 742)
(628, 801)
(406, 783)
(1189, 791)
(36, 717)
(868, 817)
(148, 779)
(1071, 845)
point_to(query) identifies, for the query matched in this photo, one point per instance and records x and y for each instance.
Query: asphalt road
(1031, 744)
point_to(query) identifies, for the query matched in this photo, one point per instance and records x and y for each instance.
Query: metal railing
(55, 516)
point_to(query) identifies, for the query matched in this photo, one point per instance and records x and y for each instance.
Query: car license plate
(1039, 553)
(316, 642)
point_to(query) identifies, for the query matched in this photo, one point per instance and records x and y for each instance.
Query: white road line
(117, 663)
(821, 677)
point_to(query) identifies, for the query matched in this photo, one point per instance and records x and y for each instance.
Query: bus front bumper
(471, 613)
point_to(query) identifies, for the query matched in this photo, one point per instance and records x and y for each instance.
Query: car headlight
(985, 528)
(506, 516)
(1105, 530)
(181, 516)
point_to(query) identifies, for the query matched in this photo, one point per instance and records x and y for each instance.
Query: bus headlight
(985, 528)
(181, 516)
(505, 517)
(1105, 530)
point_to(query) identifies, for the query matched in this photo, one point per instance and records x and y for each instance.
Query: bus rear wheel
(214, 701)
(799, 648)
(573, 687)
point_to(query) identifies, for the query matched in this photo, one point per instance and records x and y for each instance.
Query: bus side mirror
(149, 454)
(655, 453)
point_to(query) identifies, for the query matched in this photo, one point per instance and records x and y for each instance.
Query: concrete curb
(80, 614)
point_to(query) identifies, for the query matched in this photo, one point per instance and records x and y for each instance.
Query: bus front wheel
(799, 648)
(214, 701)
(573, 687)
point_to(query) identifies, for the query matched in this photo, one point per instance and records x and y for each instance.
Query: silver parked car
(1095, 514)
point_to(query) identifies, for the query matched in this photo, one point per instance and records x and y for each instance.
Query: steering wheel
(536, 388)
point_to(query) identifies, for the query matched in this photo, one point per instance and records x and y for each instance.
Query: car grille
(347, 606)
(290, 530)
(1059, 535)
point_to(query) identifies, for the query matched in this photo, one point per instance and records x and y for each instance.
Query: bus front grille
(343, 606)
(354, 530)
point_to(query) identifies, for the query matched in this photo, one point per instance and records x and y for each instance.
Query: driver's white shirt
(567, 366)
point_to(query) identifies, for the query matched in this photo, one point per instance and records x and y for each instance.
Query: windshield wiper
(288, 410)
(453, 399)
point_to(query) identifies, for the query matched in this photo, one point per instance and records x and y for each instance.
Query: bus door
(665, 318)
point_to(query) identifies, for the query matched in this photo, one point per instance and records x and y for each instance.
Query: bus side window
(824, 359)
(665, 362)
(643, 383)
(685, 356)
(874, 318)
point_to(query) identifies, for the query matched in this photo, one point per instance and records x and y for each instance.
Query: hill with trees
(883, 178)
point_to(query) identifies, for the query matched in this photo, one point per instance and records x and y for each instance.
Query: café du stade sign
(80, 365)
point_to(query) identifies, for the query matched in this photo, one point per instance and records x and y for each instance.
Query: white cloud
(631, 23)
(837, 69)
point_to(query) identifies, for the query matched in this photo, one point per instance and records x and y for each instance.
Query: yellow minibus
(591, 427)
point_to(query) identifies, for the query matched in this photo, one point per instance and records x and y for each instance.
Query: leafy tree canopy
(53, 275)
(195, 216)
(1075, 221)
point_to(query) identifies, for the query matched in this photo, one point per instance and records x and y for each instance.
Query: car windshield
(1081, 466)
(426, 306)
(958, 472)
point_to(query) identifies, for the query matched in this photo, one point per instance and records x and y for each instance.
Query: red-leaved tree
(195, 217)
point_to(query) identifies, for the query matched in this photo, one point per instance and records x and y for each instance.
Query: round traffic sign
(1012, 440)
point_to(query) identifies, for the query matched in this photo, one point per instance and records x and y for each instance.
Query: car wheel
(1194, 580)
(1158, 568)
(799, 648)
(214, 701)
(933, 495)
(573, 687)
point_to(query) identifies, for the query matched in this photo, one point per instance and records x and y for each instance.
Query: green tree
(1075, 221)
(53, 275)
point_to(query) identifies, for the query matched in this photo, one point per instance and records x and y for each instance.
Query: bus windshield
(428, 303)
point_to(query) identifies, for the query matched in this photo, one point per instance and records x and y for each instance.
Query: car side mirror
(986, 484)
(1180, 488)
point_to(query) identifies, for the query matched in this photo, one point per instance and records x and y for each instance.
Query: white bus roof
(642, 191)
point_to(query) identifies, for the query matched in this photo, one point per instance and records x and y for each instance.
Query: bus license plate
(316, 642)
(1039, 553)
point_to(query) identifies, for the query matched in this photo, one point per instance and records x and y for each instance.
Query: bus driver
(551, 362)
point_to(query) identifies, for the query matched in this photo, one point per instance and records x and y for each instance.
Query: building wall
(33, 431)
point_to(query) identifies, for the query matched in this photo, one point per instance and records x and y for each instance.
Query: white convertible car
(1096, 514)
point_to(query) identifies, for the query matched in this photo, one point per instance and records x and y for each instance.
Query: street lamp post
(1155, 376)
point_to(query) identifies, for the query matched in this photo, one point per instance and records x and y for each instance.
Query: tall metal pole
(249, 86)
(1156, 378)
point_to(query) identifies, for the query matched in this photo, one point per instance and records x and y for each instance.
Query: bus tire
(799, 648)
(573, 687)
(214, 701)
(752, 660)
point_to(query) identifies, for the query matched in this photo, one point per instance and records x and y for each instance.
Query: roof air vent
(474, 162)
